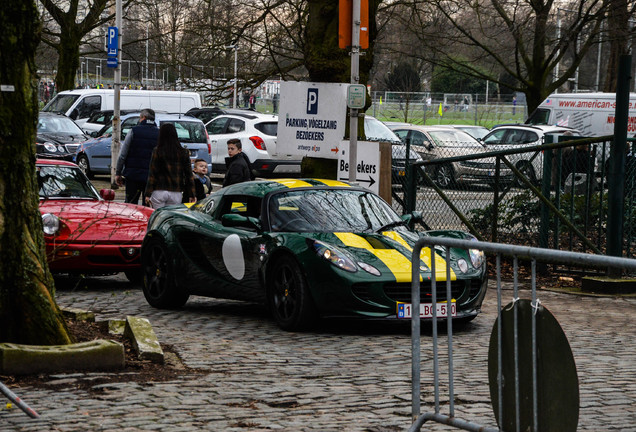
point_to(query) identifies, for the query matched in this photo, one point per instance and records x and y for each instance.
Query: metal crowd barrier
(529, 253)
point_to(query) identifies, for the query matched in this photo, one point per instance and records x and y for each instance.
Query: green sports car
(307, 248)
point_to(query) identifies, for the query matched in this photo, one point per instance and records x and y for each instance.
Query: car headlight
(51, 223)
(335, 256)
(369, 268)
(476, 257)
(49, 146)
(463, 265)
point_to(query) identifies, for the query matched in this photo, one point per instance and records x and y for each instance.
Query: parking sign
(112, 41)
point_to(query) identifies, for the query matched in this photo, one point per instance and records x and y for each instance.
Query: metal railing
(517, 252)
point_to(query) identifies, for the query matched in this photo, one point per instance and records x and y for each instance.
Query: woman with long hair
(170, 177)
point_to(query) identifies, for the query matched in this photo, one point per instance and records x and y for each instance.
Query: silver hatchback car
(437, 142)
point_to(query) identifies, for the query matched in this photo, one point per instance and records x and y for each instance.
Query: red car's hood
(105, 221)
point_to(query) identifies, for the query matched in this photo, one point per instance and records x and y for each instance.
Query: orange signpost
(345, 23)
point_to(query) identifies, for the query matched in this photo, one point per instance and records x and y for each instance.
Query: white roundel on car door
(233, 256)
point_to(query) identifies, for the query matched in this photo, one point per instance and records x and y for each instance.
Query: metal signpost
(114, 61)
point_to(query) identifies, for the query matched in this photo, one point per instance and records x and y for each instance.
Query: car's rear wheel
(84, 165)
(444, 176)
(288, 296)
(527, 170)
(159, 283)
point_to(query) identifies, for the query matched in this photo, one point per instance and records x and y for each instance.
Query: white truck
(81, 104)
(593, 114)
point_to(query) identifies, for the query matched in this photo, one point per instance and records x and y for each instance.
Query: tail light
(207, 140)
(258, 143)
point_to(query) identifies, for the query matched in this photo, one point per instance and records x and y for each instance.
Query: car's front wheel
(444, 176)
(527, 170)
(159, 276)
(84, 165)
(288, 296)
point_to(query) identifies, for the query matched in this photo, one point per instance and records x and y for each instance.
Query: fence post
(617, 163)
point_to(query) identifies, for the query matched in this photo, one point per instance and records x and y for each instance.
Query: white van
(81, 104)
(590, 113)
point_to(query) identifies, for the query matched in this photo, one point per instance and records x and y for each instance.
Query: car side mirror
(240, 221)
(93, 134)
(74, 114)
(107, 194)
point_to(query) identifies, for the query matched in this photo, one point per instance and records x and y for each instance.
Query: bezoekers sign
(312, 118)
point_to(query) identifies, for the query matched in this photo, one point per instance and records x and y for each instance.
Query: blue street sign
(111, 62)
(112, 41)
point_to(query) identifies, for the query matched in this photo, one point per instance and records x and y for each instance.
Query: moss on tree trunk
(28, 312)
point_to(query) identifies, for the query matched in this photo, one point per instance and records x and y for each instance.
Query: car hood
(389, 250)
(99, 220)
(61, 138)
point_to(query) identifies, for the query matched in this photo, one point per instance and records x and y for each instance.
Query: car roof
(248, 115)
(539, 128)
(263, 187)
(160, 115)
(51, 114)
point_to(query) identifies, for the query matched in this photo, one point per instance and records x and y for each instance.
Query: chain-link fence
(549, 195)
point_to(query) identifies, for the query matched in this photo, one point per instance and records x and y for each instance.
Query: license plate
(404, 310)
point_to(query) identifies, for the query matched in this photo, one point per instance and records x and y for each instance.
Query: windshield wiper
(389, 225)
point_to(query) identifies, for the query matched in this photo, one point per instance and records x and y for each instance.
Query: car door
(216, 130)
(233, 253)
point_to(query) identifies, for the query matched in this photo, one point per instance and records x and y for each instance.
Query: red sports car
(86, 232)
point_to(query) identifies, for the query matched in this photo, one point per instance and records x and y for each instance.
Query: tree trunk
(28, 312)
(618, 24)
(69, 60)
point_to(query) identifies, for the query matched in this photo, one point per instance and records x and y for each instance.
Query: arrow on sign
(371, 181)
(335, 150)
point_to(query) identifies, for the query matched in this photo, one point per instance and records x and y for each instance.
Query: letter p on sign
(312, 101)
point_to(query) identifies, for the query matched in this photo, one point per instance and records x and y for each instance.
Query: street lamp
(235, 48)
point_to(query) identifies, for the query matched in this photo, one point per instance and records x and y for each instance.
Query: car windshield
(453, 138)
(60, 103)
(56, 181)
(60, 125)
(189, 131)
(329, 210)
(375, 130)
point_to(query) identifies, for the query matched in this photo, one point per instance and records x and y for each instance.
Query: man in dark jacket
(134, 157)
(238, 164)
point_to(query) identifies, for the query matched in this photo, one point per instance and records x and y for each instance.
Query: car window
(241, 204)
(235, 125)
(452, 138)
(268, 128)
(61, 103)
(539, 117)
(419, 139)
(401, 134)
(188, 131)
(496, 137)
(529, 137)
(100, 117)
(87, 107)
(127, 125)
(217, 126)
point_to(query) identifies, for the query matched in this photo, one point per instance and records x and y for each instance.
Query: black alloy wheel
(159, 284)
(84, 165)
(288, 296)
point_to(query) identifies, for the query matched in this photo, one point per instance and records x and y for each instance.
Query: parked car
(306, 248)
(94, 155)
(435, 142)
(506, 137)
(58, 137)
(86, 232)
(206, 113)
(477, 132)
(100, 119)
(257, 133)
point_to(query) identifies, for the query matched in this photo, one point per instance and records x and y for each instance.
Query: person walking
(134, 157)
(238, 164)
(170, 177)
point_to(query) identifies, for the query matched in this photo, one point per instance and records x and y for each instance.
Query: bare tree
(517, 38)
(28, 312)
(69, 24)
(619, 13)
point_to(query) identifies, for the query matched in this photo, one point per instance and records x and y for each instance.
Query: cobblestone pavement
(346, 376)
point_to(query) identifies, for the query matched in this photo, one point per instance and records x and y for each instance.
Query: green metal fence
(564, 206)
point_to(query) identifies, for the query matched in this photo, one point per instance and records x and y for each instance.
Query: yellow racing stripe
(399, 265)
(333, 182)
(425, 255)
(292, 183)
